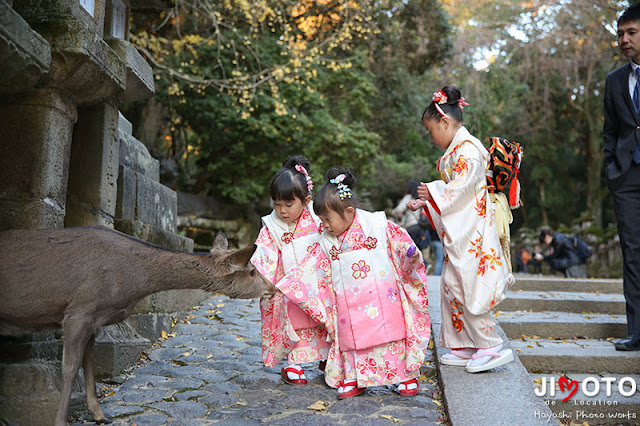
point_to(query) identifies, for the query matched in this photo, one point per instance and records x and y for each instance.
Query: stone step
(575, 355)
(561, 325)
(608, 406)
(534, 283)
(561, 301)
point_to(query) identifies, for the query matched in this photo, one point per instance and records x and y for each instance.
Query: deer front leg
(76, 337)
(90, 384)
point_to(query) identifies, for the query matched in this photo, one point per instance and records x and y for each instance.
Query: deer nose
(270, 289)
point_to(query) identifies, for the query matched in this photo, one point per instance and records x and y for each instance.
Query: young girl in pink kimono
(284, 239)
(475, 275)
(372, 298)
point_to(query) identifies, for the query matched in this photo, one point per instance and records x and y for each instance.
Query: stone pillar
(34, 158)
(93, 171)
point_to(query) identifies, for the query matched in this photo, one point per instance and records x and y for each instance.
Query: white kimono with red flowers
(475, 274)
(375, 312)
(286, 329)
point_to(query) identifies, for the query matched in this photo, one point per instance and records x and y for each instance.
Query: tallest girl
(475, 274)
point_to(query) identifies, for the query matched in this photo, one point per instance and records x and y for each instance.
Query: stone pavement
(209, 370)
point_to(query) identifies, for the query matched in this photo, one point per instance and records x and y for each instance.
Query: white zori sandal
(487, 359)
(458, 357)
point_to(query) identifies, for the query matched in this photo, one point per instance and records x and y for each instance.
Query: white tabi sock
(481, 360)
(294, 376)
(467, 351)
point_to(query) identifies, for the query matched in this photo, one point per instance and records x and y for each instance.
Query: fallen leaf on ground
(318, 406)
(388, 417)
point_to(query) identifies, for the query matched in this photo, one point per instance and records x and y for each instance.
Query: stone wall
(606, 261)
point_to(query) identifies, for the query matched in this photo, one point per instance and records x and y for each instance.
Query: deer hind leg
(76, 338)
(90, 384)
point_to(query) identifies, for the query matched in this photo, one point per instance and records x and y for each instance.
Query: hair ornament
(302, 170)
(343, 190)
(462, 103)
(439, 97)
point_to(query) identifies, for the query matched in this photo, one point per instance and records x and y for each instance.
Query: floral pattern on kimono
(475, 275)
(312, 288)
(279, 339)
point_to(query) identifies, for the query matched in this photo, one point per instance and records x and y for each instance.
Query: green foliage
(247, 92)
(341, 82)
(239, 153)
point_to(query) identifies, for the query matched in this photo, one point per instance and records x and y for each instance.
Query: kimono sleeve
(267, 257)
(452, 198)
(276, 340)
(309, 286)
(413, 280)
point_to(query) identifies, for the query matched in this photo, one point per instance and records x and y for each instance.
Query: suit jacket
(621, 126)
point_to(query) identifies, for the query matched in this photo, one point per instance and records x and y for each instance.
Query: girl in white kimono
(287, 233)
(372, 298)
(475, 275)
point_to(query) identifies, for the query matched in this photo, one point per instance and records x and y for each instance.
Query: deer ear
(220, 242)
(243, 256)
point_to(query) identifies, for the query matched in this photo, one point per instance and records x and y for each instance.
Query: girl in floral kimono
(475, 275)
(359, 282)
(284, 239)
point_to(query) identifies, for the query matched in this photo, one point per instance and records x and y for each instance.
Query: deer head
(236, 276)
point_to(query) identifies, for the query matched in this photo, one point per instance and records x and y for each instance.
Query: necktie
(636, 104)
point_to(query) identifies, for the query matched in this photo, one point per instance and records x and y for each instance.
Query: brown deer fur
(83, 278)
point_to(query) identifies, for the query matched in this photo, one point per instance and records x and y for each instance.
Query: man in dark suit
(622, 163)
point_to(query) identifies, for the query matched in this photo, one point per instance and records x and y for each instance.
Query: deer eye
(252, 273)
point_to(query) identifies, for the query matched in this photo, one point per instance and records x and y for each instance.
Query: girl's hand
(423, 192)
(415, 204)
(415, 257)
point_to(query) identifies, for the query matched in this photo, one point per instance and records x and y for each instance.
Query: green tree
(246, 85)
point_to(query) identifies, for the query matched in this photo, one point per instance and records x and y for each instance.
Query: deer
(82, 278)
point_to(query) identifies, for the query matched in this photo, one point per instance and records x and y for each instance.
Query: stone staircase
(566, 327)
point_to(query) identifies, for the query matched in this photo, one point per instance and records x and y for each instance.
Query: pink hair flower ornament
(462, 103)
(302, 170)
(439, 97)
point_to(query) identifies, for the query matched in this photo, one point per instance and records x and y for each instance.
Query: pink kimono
(375, 312)
(286, 330)
(475, 275)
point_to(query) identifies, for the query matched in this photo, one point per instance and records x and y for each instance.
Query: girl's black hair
(451, 107)
(288, 183)
(328, 197)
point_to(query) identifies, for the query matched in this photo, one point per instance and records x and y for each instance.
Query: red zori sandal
(349, 389)
(409, 387)
(301, 380)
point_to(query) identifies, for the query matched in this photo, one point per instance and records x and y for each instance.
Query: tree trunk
(543, 209)
(594, 159)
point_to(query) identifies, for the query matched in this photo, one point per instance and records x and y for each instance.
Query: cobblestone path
(209, 371)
